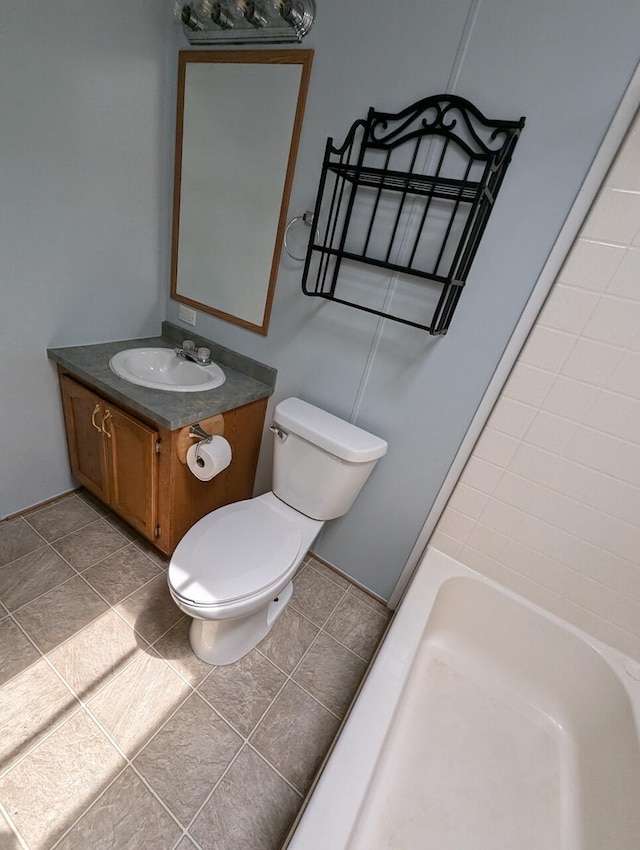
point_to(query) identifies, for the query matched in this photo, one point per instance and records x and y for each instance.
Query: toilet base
(222, 642)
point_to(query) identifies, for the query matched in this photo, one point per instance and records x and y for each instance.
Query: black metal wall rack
(411, 193)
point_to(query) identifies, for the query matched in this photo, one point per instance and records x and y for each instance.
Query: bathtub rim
(331, 809)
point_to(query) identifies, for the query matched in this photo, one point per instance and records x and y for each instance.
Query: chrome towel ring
(307, 219)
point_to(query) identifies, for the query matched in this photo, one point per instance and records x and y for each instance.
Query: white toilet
(232, 571)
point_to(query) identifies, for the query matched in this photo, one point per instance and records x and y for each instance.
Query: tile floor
(114, 735)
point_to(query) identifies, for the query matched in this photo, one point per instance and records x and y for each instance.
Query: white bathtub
(484, 724)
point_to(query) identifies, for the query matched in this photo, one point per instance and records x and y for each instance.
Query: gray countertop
(246, 379)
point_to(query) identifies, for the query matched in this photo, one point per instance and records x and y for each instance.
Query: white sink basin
(162, 369)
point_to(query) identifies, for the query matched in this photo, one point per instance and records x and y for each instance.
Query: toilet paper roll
(206, 460)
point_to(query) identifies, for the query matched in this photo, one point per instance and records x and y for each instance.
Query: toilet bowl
(232, 571)
(258, 545)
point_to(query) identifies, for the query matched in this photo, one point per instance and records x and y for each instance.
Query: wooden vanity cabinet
(113, 455)
(133, 465)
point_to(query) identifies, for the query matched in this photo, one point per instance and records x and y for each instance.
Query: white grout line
(162, 725)
(249, 746)
(44, 593)
(245, 738)
(374, 600)
(45, 542)
(79, 570)
(210, 794)
(252, 747)
(48, 734)
(323, 629)
(12, 826)
(85, 810)
(158, 798)
(82, 527)
(31, 641)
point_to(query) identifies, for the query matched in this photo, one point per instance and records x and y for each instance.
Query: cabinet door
(83, 414)
(133, 469)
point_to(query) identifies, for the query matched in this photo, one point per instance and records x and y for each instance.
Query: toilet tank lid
(329, 432)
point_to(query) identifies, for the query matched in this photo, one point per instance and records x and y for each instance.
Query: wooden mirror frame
(304, 58)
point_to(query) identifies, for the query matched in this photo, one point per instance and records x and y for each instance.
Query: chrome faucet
(188, 352)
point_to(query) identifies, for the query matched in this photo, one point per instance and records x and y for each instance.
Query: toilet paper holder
(198, 431)
(203, 431)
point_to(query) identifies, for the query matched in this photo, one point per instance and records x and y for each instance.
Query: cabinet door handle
(104, 430)
(93, 417)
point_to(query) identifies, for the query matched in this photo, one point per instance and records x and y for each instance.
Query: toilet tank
(320, 461)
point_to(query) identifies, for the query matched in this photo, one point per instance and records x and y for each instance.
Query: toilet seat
(238, 552)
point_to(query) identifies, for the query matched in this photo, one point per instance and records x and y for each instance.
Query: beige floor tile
(61, 518)
(89, 499)
(174, 646)
(97, 653)
(151, 610)
(122, 527)
(369, 600)
(315, 596)
(251, 809)
(60, 613)
(183, 762)
(17, 539)
(134, 705)
(295, 734)
(16, 651)
(241, 692)
(30, 576)
(288, 640)
(126, 817)
(357, 626)
(327, 572)
(153, 554)
(47, 791)
(121, 574)
(331, 674)
(31, 705)
(90, 544)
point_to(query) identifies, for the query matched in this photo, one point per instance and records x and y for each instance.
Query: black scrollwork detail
(351, 135)
(444, 115)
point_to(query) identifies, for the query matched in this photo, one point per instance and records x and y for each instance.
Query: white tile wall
(591, 265)
(546, 348)
(549, 502)
(591, 361)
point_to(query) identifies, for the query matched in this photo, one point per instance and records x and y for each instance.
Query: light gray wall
(83, 138)
(562, 63)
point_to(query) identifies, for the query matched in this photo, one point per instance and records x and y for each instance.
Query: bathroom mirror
(238, 125)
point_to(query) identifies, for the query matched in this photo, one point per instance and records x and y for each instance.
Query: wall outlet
(187, 315)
